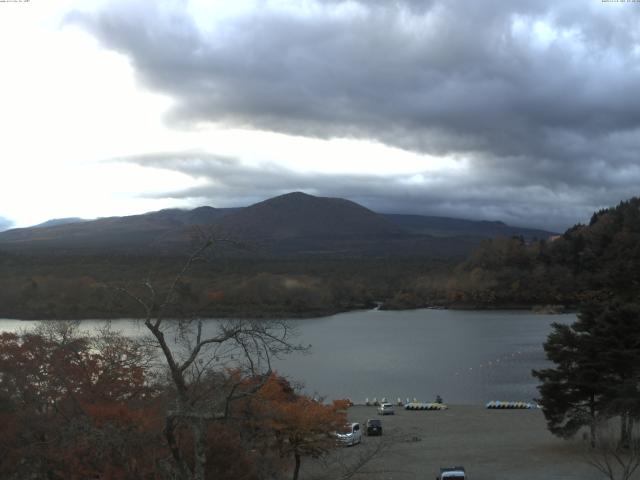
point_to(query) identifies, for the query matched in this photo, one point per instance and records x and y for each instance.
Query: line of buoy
(425, 406)
(497, 404)
(490, 364)
(399, 402)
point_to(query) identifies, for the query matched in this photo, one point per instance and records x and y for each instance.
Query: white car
(350, 435)
(386, 409)
(452, 473)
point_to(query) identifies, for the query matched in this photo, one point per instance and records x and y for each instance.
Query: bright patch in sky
(69, 107)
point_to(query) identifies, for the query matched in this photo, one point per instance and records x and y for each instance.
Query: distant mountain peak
(297, 197)
(203, 208)
(292, 222)
(59, 221)
(299, 214)
(294, 195)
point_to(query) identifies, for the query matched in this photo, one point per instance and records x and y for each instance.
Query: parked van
(350, 435)
(386, 409)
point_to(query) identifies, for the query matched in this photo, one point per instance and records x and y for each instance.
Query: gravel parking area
(490, 444)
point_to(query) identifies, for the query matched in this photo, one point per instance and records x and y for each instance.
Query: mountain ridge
(295, 222)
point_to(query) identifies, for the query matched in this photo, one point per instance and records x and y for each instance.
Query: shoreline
(535, 309)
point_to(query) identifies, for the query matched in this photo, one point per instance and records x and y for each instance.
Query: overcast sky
(526, 112)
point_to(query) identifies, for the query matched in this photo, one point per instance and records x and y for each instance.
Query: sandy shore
(490, 444)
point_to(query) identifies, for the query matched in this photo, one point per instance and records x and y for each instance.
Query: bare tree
(615, 459)
(348, 463)
(197, 356)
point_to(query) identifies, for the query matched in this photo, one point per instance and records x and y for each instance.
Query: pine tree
(597, 370)
(616, 331)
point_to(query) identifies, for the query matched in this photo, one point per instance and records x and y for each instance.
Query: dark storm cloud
(5, 224)
(226, 182)
(539, 96)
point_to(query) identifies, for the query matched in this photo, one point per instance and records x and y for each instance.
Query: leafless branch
(146, 307)
(347, 463)
(196, 371)
(611, 458)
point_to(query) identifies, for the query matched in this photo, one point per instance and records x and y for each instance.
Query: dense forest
(587, 262)
(67, 287)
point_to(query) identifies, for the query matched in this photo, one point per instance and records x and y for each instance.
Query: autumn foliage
(74, 410)
(301, 426)
(86, 407)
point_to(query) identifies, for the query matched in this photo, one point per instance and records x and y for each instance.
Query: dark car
(373, 427)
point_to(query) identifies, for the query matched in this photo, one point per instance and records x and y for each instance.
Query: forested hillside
(592, 261)
(64, 287)
(292, 255)
(599, 260)
(290, 225)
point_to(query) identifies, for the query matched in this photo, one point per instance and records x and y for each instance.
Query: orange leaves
(302, 424)
(75, 409)
(215, 295)
(111, 413)
(341, 405)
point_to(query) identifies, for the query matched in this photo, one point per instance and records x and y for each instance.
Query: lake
(467, 357)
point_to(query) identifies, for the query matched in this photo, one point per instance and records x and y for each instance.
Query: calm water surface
(467, 357)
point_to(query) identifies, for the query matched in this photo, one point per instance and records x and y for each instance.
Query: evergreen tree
(571, 393)
(616, 331)
(597, 370)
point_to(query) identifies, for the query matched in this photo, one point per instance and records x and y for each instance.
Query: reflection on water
(467, 357)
